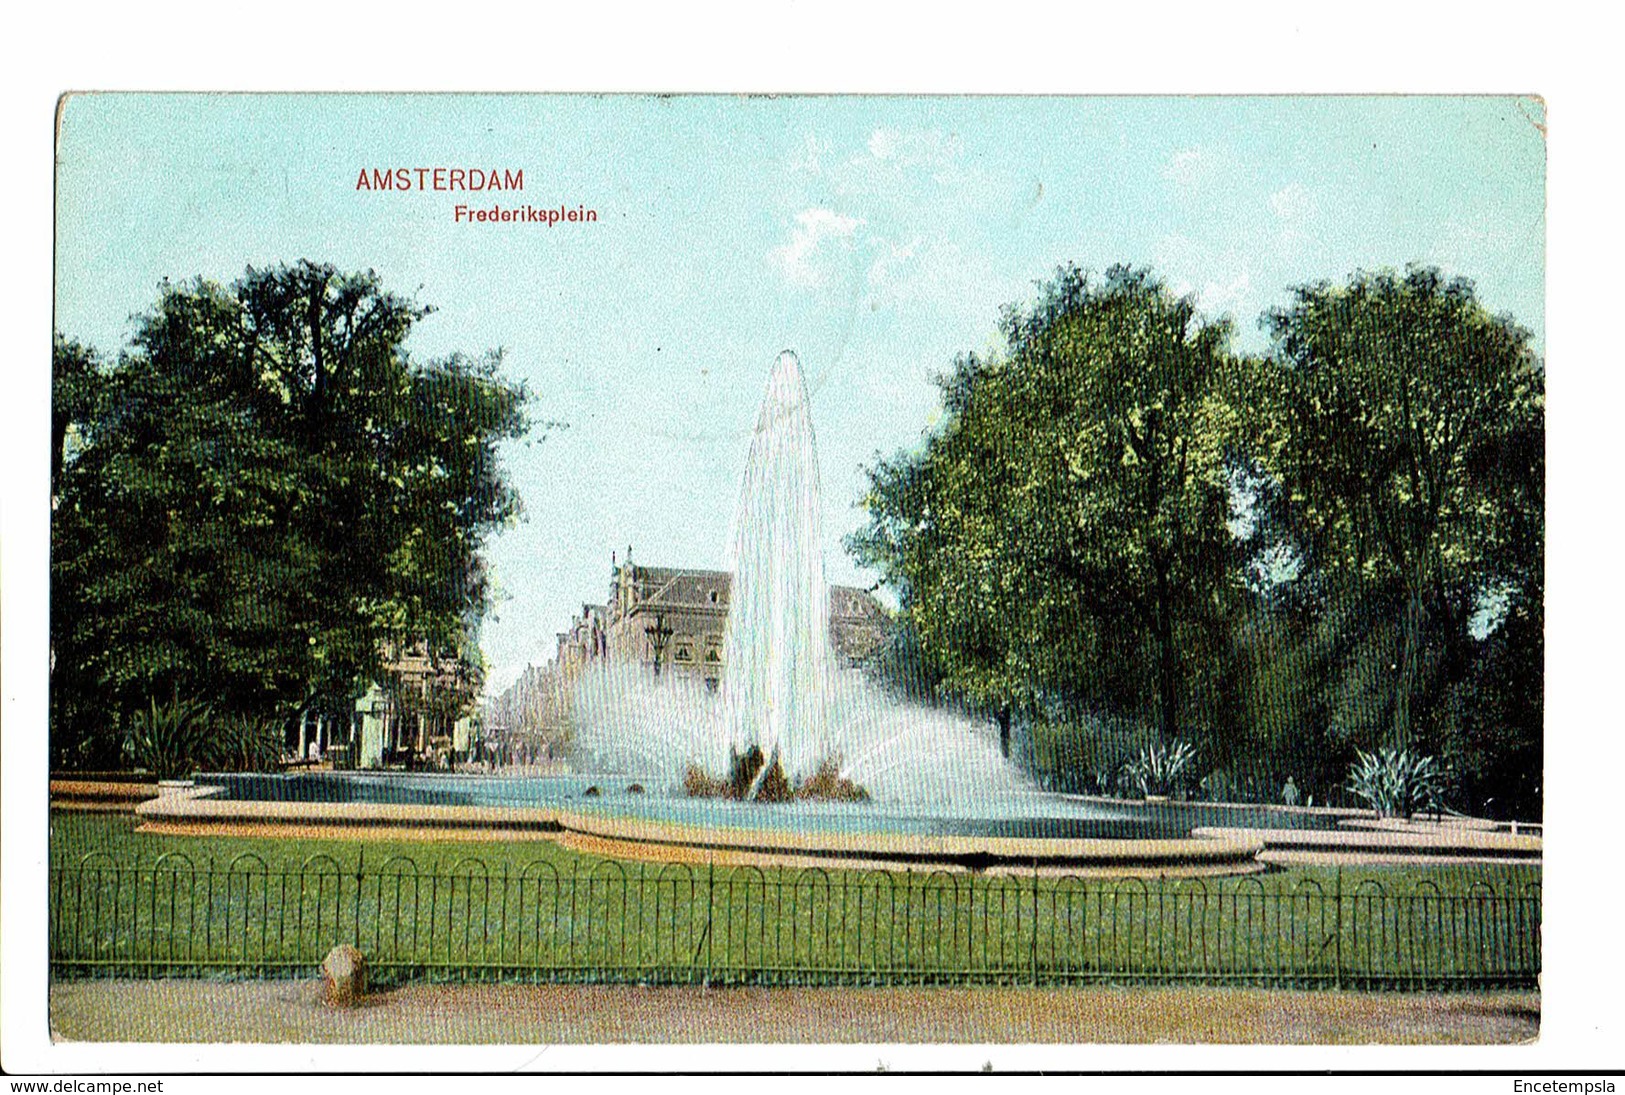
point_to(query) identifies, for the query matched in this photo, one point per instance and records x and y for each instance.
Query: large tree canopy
(1409, 440)
(1063, 534)
(262, 493)
(1124, 532)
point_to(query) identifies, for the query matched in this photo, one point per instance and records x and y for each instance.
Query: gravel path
(289, 1011)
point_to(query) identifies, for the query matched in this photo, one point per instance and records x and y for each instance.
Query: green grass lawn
(137, 903)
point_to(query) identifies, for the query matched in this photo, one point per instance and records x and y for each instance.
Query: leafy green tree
(75, 385)
(1063, 533)
(937, 540)
(76, 388)
(1408, 426)
(267, 493)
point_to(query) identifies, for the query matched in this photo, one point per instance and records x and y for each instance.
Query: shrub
(168, 739)
(244, 743)
(1397, 783)
(174, 739)
(1160, 769)
(1076, 753)
(1217, 786)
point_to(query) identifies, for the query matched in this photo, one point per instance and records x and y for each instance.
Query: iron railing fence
(675, 923)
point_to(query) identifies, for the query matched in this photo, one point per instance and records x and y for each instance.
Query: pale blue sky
(875, 236)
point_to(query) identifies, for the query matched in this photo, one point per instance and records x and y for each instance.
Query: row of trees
(1124, 532)
(261, 496)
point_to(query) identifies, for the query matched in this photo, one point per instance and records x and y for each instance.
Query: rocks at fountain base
(827, 784)
(745, 774)
(698, 783)
(748, 779)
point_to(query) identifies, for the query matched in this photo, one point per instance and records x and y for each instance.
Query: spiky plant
(1397, 782)
(168, 739)
(1160, 769)
(244, 743)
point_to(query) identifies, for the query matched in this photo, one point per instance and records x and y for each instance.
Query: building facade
(672, 620)
(429, 711)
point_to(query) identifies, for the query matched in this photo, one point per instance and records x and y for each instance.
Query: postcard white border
(861, 47)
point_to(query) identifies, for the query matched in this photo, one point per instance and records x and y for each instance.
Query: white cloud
(1295, 210)
(892, 260)
(1186, 260)
(877, 214)
(936, 275)
(882, 143)
(1293, 203)
(908, 148)
(1234, 296)
(1207, 174)
(798, 259)
(1466, 246)
(807, 159)
(1187, 167)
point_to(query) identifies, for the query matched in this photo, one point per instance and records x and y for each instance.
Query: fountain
(789, 723)
(776, 688)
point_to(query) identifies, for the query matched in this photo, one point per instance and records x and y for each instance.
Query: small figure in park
(1289, 793)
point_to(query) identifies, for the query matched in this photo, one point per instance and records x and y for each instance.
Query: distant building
(431, 711)
(528, 721)
(676, 616)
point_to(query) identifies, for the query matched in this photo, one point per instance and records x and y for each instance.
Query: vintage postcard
(842, 570)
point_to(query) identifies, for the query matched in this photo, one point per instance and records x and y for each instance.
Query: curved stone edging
(100, 796)
(197, 806)
(1227, 807)
(193, 809)
(1423, 840)
(1229, 848)
(701, 855)
(1207, 850)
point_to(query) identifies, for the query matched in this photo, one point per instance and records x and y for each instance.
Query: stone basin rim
(1205, 847)
(201, 805)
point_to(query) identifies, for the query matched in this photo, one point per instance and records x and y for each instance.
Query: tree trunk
(1004, 732)
(1167, 661)
(318, 389)
(59, 445)
(1410, 666)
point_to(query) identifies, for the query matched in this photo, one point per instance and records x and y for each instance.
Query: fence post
(1337, 926)
(360, 862)
(208, 914)
(710, 914)
(502, 928)
(1035, 920)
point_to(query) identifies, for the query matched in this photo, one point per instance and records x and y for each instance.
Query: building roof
(682, 586)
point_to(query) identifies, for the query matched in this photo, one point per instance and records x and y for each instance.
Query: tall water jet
(775, 693)
(790, 721)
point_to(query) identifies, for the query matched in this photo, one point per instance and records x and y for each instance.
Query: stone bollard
(344, 976)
